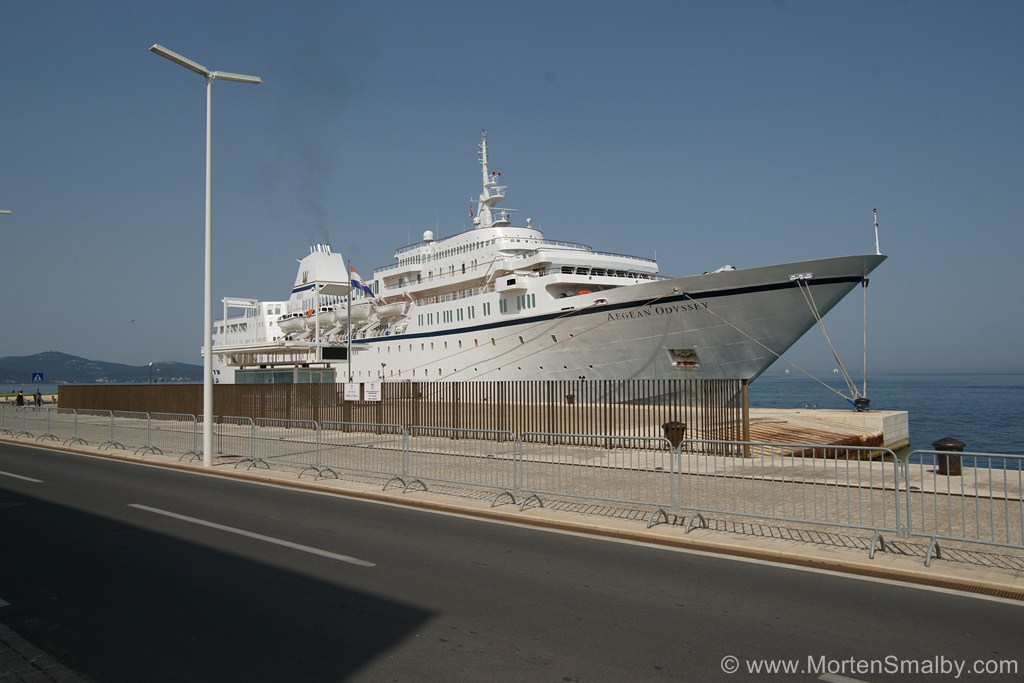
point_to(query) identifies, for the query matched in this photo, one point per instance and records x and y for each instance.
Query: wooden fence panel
(711, 409)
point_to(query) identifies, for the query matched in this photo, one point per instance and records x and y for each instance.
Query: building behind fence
(710, 409)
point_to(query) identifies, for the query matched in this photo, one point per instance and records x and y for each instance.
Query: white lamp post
(210, 76)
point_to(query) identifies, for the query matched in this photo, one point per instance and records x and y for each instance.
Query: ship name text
(661, 309)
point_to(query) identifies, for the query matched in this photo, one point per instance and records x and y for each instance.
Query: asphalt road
(125, 572)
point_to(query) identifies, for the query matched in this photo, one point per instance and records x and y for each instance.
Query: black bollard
(675, 432)
(948, 459)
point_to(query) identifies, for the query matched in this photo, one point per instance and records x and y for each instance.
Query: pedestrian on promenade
(20, 400)
(39, 398)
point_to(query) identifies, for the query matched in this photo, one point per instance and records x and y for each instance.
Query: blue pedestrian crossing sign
(37, 377)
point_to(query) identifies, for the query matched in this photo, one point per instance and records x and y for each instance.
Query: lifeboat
(395, 309)
(290, 323)
(360, 313)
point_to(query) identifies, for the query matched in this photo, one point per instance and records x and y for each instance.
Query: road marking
(258, 537)
(18, 476)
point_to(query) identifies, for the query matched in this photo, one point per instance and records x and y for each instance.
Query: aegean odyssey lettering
(661, 309)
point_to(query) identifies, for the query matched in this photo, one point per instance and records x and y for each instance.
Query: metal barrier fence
(233, 436)
(64, 426)
(175, 432)
(97, 427)
(484, 458)
(290, 441)
(836, 486)
(361, 447)
(132, 428)
(979, 500)
(634, 470)
(977, 503)
(27, 421)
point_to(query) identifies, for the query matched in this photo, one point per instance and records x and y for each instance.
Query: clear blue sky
(700, 133)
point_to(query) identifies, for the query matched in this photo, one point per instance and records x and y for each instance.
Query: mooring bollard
(675, 432)
(949, 457)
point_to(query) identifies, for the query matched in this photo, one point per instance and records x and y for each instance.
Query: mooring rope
(773, 352)
(805, 289)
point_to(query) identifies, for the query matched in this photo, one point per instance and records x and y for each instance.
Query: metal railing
(680, 482)
(978, 500)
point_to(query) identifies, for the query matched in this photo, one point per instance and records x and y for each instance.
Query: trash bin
(675, 432)
(948, 457)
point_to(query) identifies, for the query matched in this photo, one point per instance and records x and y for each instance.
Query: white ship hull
(729, 325)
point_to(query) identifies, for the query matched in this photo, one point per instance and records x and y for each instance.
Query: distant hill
(62, 368)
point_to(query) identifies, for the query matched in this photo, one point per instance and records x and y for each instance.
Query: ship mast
(491, 194)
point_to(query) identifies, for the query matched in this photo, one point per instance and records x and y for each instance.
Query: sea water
(985, 410)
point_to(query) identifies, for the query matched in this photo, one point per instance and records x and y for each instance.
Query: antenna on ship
(491, 194)
(877, 250)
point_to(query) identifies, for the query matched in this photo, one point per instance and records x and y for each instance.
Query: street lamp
(210, 76)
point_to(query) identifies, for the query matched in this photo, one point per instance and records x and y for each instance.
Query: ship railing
(964, 496)
(955, 498)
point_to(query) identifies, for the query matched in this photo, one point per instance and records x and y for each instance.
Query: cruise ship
(500, 301)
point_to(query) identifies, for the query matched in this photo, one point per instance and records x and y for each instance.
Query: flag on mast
(358, 283)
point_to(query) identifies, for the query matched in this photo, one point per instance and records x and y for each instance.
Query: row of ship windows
(440, 273)
(424, 258)
(432, 346)
(523, 302)
(427, 372)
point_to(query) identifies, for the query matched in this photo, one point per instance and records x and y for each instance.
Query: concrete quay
(888, 428)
